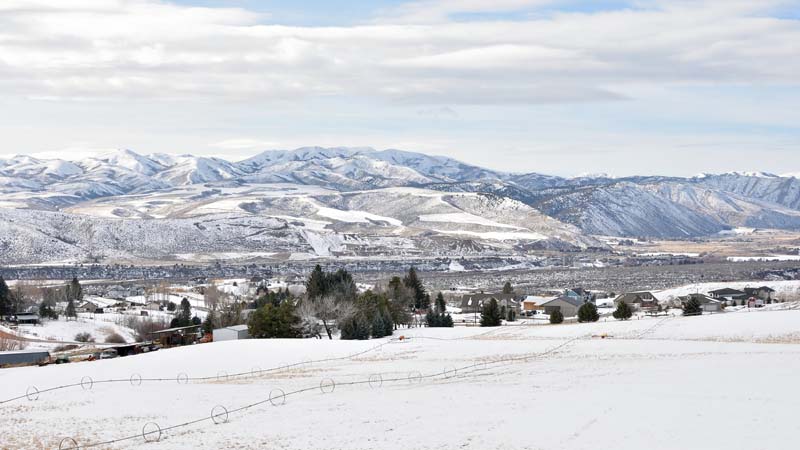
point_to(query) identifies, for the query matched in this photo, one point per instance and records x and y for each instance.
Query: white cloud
(138, 49)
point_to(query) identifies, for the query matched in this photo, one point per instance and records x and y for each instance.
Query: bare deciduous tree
(212, 297)
(328, 310)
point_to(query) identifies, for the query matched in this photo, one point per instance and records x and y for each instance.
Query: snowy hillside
(567, 380)
(281, 220)
(316, 201)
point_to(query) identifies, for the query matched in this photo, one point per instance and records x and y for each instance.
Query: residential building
(579, 294)
(763, 293)
(639, 299)
(567, 305)
(473, 303)
(728, 294)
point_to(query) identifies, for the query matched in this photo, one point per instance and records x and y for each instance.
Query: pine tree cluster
(372, 318)
(438, 317)
(183, 318)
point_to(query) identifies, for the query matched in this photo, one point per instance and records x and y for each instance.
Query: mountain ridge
(343, 195)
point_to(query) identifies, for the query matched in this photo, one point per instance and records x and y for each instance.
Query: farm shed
(23, 357)
(233, 333)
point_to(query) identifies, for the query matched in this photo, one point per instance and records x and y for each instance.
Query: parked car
(108, 354)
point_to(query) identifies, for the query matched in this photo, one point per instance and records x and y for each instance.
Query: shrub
(115, 338)
(556, 317)
(8, 344)
(84, 337)
(145, 325)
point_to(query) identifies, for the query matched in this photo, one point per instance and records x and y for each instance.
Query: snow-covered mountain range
(353, 202)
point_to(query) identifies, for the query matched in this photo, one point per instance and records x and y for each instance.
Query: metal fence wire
(152, 432)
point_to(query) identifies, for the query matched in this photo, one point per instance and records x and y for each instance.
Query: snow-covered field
(725, 381)
(62, 330)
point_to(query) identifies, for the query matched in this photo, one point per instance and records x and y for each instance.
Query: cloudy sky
(671, 87)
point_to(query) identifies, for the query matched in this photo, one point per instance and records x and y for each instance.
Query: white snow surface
(464, 218)
(573, 391)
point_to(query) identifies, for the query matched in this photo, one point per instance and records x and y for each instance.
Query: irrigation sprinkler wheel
(149, 430)
(219, 414)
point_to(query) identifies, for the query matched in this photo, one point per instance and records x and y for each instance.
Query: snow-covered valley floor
(725, 381)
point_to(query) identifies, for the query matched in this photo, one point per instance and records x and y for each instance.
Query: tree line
(332, 303)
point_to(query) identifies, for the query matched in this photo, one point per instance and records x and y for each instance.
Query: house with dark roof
(640, 299)
(762, 293)
(579, 293)
(728, 294)
(707, 303)
(567, 305)
(473, 303)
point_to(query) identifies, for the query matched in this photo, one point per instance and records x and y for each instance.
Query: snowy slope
(636, 377)
(123, 184)
(281, 220)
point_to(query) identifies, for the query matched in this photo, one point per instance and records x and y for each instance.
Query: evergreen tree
(431, 319)
(186, 310)
(692, 307)
(5, 298)
(511, 315)
(412, 281)
(378, 327)
(70, 312)
(196, 321)
(316, 284)
(74, 290)
(447, 321)
(440, 306)
(507, 289)
(623, 311)
(388, 325)
(588, 313)
(47, 309)
(355, 328)
(490, 315)
(556, 317)
(272, 321)
(208, 324)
